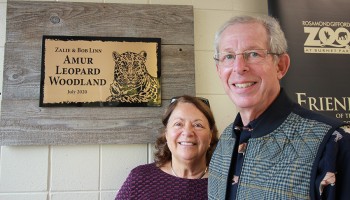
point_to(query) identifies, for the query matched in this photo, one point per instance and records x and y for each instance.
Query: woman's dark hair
(162, 154)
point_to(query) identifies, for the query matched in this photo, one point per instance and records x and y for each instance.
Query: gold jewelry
(172, 170)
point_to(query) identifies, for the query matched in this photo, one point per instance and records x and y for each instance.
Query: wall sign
(318, 36)
(100, 71)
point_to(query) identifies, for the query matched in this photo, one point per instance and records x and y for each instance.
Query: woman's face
(188, 134)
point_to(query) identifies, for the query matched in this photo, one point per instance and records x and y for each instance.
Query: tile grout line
(49, 173)
(100, 172)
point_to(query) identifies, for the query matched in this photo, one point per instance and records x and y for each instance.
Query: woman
(183, 152)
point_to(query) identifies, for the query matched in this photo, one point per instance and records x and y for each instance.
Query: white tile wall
(94, 1)
(74, 169)
(255, 6)
(213, 5)
(117, 161)
(223, 109)
(24, 168)
(96, 172)
(108, 195)
(172, 2)
(24, 196)
(207, 80)
(75, 196)
(206, 22)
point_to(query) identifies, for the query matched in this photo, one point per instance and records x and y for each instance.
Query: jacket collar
(270, 119)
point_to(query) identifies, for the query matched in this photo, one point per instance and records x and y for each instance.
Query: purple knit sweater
(149, 182)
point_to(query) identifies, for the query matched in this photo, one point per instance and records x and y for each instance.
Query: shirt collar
(271, 118)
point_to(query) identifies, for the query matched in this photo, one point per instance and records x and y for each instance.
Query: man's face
(252, 87)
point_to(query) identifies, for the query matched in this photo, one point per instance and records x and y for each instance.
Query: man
(275, 149)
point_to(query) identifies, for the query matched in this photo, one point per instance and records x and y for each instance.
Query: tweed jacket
(276, 117)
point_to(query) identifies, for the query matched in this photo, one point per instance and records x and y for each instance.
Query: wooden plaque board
(23, 122)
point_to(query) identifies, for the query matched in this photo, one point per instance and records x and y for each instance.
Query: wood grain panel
(22, 71)
(29, 20)
(26, 123)
(23, 122)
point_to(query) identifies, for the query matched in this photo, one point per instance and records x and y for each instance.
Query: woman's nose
(187, 130)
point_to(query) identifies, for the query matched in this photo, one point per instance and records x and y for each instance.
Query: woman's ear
(165, 135)
(283, 65)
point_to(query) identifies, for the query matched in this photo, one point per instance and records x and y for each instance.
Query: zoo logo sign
(327, 37)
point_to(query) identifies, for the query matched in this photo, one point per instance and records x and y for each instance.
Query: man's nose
(239, 64)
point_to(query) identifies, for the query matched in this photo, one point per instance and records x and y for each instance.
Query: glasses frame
(204, 100)
(244, 54)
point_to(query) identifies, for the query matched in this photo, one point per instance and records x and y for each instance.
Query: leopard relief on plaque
(132, 82)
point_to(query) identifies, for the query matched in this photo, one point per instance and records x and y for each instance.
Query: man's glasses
(226, 59)
(204, 100)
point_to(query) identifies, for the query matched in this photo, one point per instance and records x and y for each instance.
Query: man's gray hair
(276, 38)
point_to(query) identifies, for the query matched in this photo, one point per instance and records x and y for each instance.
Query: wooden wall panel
(23, 122)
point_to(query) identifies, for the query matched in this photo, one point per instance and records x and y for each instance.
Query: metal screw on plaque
(55, 19)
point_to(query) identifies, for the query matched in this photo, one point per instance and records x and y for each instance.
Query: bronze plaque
(100, 71)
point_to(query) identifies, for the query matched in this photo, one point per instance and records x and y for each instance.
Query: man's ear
(283, 65)
(218, 70)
